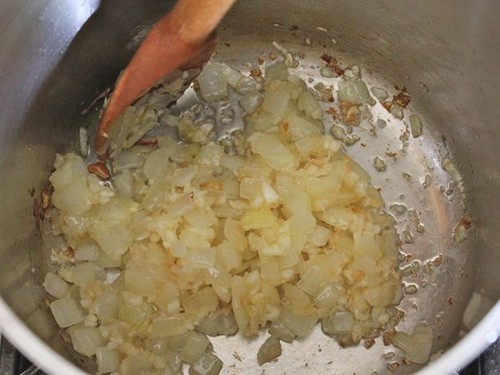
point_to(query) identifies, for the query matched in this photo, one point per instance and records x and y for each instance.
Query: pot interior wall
(445, 54)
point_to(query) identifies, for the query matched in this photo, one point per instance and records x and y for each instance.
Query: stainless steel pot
(57, 56)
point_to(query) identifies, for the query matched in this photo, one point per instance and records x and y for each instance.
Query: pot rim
(457, 357)
(485, 333)
(33, 347)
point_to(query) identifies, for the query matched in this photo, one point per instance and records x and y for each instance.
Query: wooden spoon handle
(194, 20)
(181, 38)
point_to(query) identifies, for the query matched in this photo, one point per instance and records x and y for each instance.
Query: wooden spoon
(183, 39)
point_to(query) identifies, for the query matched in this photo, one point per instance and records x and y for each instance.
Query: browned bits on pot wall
(402, 98)
(350, 113)
(369, 342)
(465, 222)
(45, 197)
(37, 210)
(393, 366)
(272, 56)
(42, 205)
(332, 63)
(388, 336)
(68, 252)
(256, 72)
(332, 112)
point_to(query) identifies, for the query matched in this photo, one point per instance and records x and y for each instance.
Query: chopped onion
(417, 346)
(82, 274)
(295, 296)
(87, 251)
(281, 231)
(226, 324)
(289, 59)
(66, 312)
(86, 340)
(107, 306)
(276, 102)
(201, 302)
(232, 75)
(341, 323)
(274, 153)
(327, 72)
(170, 326)
(128, 159)
(353, 73)
(208, 326)
(194, 348)
(136, 364)
(108, 360)
(354, 92)
(157, 164)
(213, 82)
(207, 364)
(55, 286)
(300, 325)
(309, 105)
(397, 111)
(270, 349)
(277, 71)
(279, 330)
(380, 93)
(71, 193)
(84, 142)
(139, 282)
(229, 257)
(258, 219)
(415, 126)
(246, 85)
(251, 101)
(299, 128)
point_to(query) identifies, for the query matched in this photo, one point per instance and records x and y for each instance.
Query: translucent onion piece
(213, 82)
(415, 126)
(354, 92)
(279, 330)
(55, 286)
(66, 312)
(269, 350)
(251, 101)
(87, 251)
(232, 75)
(298, 324)
(417, 346)
(191, 240)
(277, 71)
(341, 323)
(86, 340)
(195, 347)
(108, 360)
(207, 364)
(273, 151)
(136, 364)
